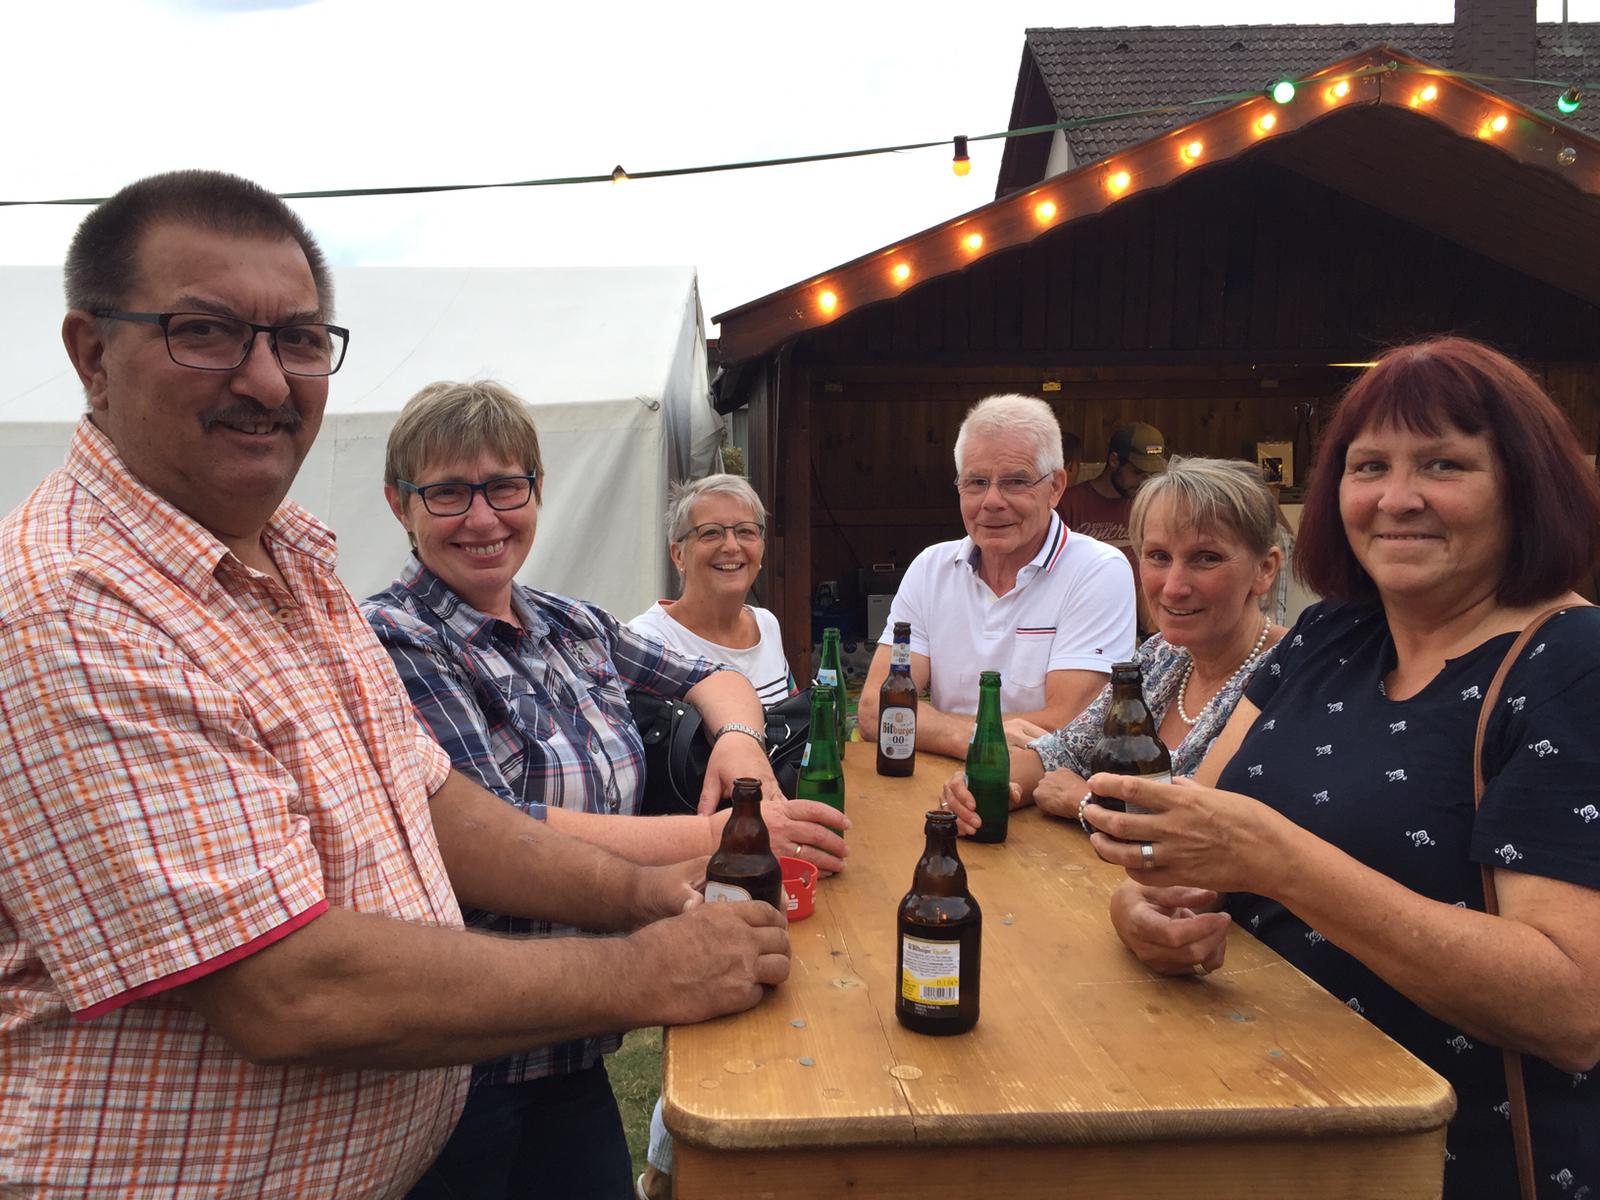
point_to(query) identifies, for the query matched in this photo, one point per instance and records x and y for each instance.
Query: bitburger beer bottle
(821, 770)
(940, 932)
(830, 673)
(989, 763)
(744, 867)
(897, 709)
(1129, 743)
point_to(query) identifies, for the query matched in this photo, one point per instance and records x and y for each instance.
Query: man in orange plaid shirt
(231, 961)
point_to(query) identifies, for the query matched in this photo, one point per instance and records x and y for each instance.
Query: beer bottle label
(900, 656)
(827, 677)
(724, 891)
(897, 732)
(930, 972)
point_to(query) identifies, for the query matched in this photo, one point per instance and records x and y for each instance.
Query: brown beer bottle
(1129, 743)
(897, 710)
(744, 867)
(940, 935)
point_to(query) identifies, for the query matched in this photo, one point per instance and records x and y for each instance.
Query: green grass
(635, 1072)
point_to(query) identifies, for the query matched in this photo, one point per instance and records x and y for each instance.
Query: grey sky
(310, 94)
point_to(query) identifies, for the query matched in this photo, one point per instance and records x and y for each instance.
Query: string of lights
(1281, 91)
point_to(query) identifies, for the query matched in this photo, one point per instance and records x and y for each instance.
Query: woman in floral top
(1205, 534)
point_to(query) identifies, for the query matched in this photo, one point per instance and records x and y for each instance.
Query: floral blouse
(1161, 666)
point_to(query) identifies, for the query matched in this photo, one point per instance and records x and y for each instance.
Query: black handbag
(676, 750)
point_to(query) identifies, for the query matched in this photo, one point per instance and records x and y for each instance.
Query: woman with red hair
(1334, 817)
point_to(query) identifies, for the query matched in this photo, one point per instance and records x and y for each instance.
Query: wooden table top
(1077, 1042)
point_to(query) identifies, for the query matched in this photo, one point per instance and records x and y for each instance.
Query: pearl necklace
(1183, 684)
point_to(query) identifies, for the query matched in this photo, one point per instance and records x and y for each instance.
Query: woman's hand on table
(955, 797)
(804, 829)
(1193, 835)
(736, 756)
(1060, 793)
(1019, 732)
(1173, 930)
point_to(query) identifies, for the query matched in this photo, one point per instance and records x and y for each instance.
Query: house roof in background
(1094, 72)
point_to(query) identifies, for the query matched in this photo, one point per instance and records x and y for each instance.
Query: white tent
(613, 362)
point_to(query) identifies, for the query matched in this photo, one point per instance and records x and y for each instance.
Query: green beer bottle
(821, 771)
(830, 673)
(989, 763)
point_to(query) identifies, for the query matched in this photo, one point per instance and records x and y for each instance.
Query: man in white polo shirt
(1050, 610)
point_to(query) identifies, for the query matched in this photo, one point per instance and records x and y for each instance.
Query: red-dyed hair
(1428, 387)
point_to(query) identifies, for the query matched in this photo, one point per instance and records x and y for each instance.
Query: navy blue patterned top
(1390, 783)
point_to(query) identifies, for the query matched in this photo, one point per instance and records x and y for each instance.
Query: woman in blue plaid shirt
(526, 692)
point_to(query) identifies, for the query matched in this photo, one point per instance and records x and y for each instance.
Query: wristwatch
(741, 727)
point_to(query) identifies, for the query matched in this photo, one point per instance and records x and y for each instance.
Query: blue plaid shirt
(536, 715)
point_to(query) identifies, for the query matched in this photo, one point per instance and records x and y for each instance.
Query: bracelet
(741, 727)
(1083, 806)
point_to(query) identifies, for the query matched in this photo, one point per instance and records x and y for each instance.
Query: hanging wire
(612, 176)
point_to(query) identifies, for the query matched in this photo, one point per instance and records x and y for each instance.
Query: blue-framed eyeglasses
(502, 493)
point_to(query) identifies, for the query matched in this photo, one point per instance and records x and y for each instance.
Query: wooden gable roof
(1441, 152)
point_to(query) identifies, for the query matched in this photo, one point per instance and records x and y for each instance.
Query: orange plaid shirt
(194, 763)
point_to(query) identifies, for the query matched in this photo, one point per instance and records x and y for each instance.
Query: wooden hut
(1222, 276)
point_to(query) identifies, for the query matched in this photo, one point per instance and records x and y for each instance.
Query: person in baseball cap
(1099, 508)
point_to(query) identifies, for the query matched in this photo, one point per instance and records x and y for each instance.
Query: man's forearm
(356, 990)
(502, 860)
(942, 732)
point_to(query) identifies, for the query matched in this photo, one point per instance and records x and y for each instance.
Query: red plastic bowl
(799, 886)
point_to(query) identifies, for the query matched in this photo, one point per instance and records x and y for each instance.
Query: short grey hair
(1011, 415)
(682, 497)
(1214, 495)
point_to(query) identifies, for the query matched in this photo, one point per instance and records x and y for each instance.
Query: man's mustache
(250, 413)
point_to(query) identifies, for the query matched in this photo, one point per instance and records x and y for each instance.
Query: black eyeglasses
(502, 493)
(209, 342)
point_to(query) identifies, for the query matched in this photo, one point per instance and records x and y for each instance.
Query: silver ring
(796, 853)
(1200, 969)
(944, 804)
(1083, 812)
(1147, 854)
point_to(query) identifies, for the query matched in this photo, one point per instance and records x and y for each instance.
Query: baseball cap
(1140, 444)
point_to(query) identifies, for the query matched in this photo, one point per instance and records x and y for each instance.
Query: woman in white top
(717, 526)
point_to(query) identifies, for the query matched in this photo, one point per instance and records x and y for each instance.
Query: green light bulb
(1282, 91)
(1569, 100)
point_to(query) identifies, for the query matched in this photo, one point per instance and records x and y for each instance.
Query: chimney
(1495, 37)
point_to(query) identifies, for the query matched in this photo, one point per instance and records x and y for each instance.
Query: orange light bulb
(901, 272)
(1267, 123)
(1193, 150)
(828, 301)
(973, 241)
(1045, 210)
(1119, 181)
(1339, 90)
(1498, 125)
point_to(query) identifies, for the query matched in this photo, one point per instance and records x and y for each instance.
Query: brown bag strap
(1521, 1135)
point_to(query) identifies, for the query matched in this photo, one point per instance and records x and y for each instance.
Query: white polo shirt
(1071, 610)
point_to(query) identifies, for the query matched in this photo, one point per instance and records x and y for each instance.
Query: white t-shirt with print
(762, 664)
